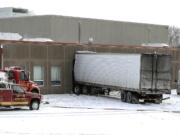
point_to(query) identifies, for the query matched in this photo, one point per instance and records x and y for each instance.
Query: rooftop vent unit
(19, 10)
(14, 12)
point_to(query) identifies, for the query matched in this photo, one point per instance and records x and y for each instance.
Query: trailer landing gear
(77, 90)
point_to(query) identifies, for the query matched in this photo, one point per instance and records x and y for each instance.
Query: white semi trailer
(139, 77)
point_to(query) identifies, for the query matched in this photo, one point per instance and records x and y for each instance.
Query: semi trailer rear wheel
(129, 97)
(135, 98)
(84, 90)
(88, 90)
(123, 96)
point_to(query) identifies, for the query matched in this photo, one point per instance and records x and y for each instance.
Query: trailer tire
(34, 105)
(135, 98)
(123, 96)
(129, 97)
(106, 91)
(84, 90)
(159, 99)
(88, 90)
(77, 90)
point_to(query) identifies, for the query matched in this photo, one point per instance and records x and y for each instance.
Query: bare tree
(174, 36)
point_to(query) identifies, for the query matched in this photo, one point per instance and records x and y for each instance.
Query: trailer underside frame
(134, 96)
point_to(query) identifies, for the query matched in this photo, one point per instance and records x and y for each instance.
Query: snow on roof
(37, 39)
(85, 52)
(156, 45)
(10, 36)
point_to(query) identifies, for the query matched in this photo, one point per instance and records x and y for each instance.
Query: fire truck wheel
(34, 105)
(35, 91)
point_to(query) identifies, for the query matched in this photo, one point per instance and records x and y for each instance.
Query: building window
(55, 75)
(38, 74)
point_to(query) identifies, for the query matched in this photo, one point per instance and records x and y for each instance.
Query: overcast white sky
(145, 11)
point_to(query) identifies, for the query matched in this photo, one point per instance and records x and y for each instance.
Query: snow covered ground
(68, 114)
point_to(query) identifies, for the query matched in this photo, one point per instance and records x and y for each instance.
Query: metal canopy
(138, 48)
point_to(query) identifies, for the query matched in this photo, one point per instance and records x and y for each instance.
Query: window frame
(60, 82)
(43, 76)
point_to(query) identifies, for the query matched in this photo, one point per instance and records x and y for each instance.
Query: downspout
(156, 70)
(152, 75)
(2, 59)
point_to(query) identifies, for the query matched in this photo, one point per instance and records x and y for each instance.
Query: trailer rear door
(155, 72)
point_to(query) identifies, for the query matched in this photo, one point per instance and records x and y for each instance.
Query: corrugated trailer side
(119, 70)
(139, 77)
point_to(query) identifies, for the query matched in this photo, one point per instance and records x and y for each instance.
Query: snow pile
(95, 102)
(68, 114)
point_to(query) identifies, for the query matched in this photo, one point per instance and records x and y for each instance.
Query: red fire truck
(18, 76)
(15, 95)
